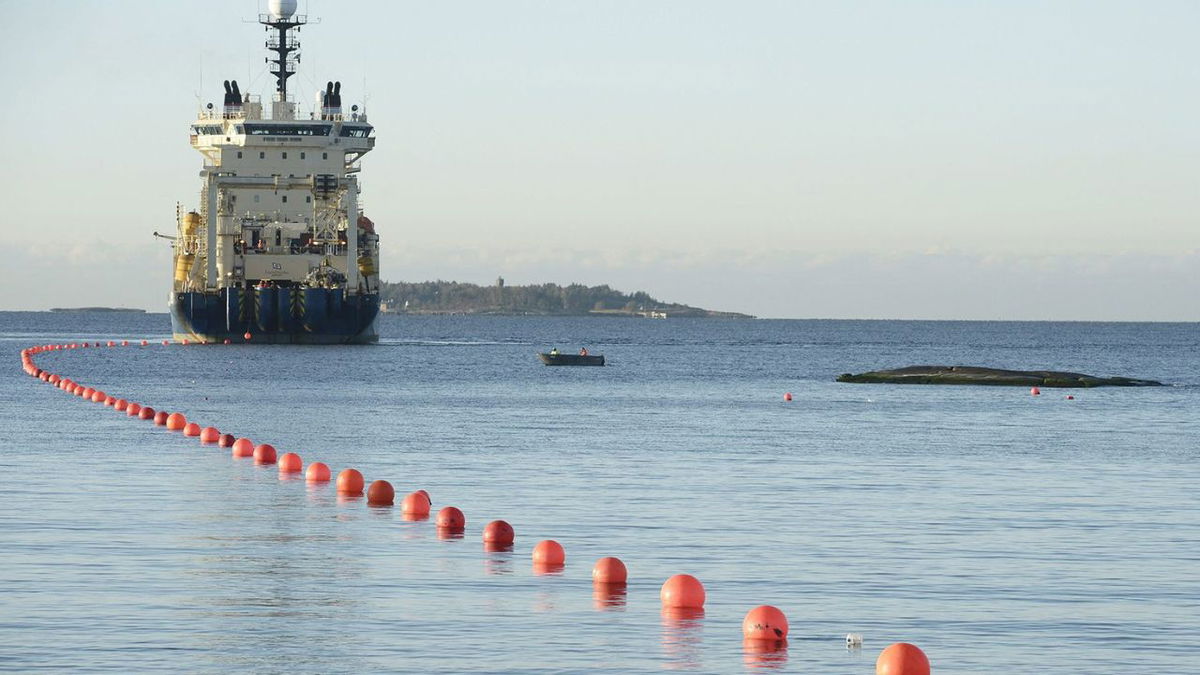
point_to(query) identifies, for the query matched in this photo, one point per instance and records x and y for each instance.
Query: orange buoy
(682, 591)
(1070, 398)
(111, 343)
(318, 472)
(85, 392)
(209, 435)
(146, 413)
(415, 504)
(120, 405)
(227, 341)
(787, 396)
(185, 341)
(765, 623)
(145, 342)
(243, 447)
(1032, 392)
(451, 518)
(247, 336)
(381, 493)
(54, 379)
(191, 429)
(160, 418)
(124, 343)
(264, 454)
(350, 482)
(133, 409)
(902, 658)
(498, 533)
(289, 462)
(609, 571)
(166, 342)
(549, 552)
(226, 441)
(427, 497)
(176, 422)
(98, 396)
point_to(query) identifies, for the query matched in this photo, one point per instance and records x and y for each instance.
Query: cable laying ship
(279, 249)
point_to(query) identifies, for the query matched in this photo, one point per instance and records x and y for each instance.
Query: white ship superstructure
(279, 246)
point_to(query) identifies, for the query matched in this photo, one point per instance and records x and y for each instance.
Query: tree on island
(441, 297)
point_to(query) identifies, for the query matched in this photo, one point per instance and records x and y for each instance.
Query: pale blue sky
(789, 159)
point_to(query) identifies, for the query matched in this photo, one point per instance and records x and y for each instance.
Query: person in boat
(554, 351)
(583, 351)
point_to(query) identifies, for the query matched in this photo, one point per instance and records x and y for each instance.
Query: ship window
(210, 129)
(356, 132)
(288, 129)
(278, 237)
(239, 154)
(255, 199)
(324, 155)
(285, 199)
(232, 198)
(262, 155)
(284, 155)
(302, 155)
(307, 199)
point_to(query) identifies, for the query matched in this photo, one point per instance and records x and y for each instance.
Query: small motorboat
(552, 359)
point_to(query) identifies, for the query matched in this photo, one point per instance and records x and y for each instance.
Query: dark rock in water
(993, 376)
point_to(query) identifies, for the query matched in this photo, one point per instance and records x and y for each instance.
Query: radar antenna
(281, 19)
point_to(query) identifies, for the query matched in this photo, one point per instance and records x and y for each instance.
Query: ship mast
(280, 20)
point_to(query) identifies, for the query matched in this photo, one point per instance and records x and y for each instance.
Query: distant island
(452, 297)
(97, 309)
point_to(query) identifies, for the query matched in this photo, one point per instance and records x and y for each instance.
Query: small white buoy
(853, 640)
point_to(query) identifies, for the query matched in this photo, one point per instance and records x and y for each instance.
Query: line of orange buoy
(764, 628)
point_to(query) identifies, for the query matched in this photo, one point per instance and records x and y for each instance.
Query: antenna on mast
(279, 21)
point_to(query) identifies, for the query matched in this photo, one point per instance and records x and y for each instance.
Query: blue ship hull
(308, 316)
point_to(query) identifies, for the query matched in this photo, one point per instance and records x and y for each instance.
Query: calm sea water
(1001, 532)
